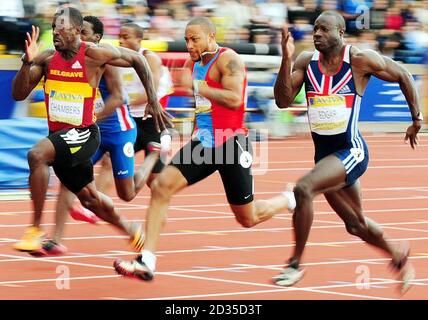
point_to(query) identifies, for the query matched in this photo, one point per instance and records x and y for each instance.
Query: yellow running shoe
(137, 238)
(31, 240)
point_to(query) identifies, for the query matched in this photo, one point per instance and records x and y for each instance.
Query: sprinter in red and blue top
(220, 143)
(72, 73)
(335, 77)
(214, 122)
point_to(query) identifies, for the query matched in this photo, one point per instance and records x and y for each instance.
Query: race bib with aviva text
(328, 115)
(203, 105)
(66, 107)
(99, 102)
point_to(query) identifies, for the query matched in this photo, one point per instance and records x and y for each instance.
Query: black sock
(293, 264)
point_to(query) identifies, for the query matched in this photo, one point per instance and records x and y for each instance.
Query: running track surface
(205, 254)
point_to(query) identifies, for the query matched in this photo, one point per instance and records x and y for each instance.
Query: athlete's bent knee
(35, 158)
(88, 200)
(162, 187)
(303, 191)
(125, 196)
(354, 228)
(246, 222)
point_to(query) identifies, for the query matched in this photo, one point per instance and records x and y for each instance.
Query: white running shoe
(288, 277)
(406, 275)
(134, 269)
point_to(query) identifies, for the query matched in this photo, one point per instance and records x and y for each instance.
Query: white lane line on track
(61, 259)
(316, 289)
(235, 267)
(331, 224)
(225, 215)
(198, 195)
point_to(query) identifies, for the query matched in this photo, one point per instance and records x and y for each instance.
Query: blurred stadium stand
(398, 29)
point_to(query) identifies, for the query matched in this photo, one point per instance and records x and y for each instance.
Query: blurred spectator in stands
(13, 26)
(236, 13)
(258, 26)
(393, 19)
(29, 7)
(389, 41)
(300, 27)
(243, 35)
(327, 5)
(230, 16)
(377, 14)
(352, 39)
(138, 14)
(306, 9)
(174, 5)
(367, 40)
(422, 13)
(199, 11)
(164, 24)
(181, 17)
(274, 11)
(262, 36)
(415, 35)
(414, 43)
(180, 13)
(400, 26)
(406, 9)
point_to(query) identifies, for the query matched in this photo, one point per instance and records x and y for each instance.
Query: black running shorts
(232, 159)
(73, 151)
(146, 132)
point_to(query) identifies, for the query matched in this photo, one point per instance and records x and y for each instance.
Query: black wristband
(25, 61)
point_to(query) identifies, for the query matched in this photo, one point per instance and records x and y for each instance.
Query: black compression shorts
(232, 159)
(74, 149)
(146, 132)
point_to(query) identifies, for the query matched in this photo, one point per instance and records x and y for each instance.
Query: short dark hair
(74, 14)
(340, 21)
(138, 30)
(204, 22)
(97, 25)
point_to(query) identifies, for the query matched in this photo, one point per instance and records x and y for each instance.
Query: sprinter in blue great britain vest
(335, 76)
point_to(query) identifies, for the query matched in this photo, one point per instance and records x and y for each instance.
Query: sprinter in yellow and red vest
(72, 73)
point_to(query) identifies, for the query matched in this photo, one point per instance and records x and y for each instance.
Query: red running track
(205, 254)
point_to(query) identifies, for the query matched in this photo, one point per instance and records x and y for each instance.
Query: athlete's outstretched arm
(372, 63)
(288, 83)
(155, 64)
(123, 57)
(114, 87)
(32, 70)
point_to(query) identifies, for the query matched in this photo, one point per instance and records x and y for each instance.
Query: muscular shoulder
(303, 60)
(231, 61)
(152, 58)
(367, 60)
(148, 54)
(94, 49)
(101, 52)
(229, 54)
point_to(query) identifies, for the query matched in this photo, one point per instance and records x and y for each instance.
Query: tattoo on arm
(233, 67)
